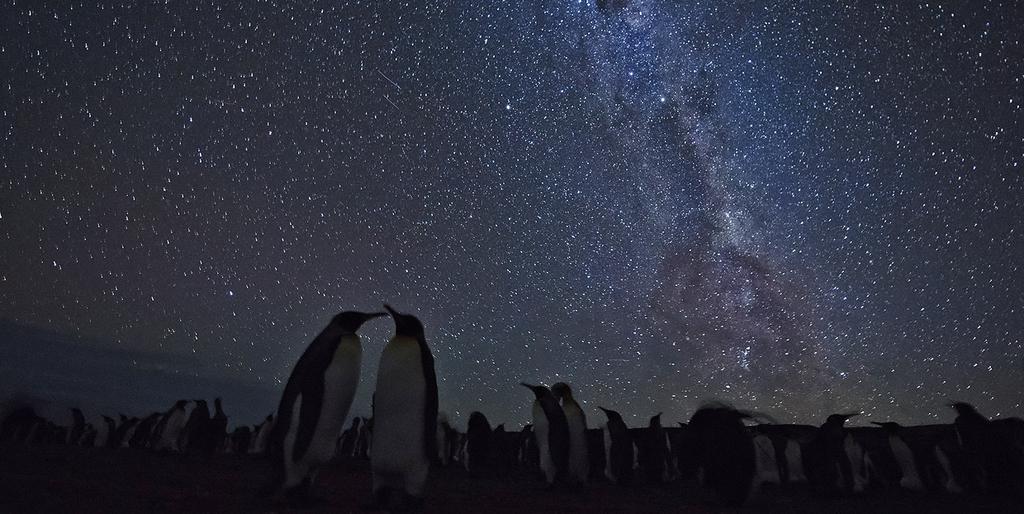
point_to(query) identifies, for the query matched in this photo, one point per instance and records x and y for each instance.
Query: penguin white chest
(340, 381)
(399, 407)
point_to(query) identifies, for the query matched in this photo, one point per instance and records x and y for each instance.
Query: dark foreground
(75, 479)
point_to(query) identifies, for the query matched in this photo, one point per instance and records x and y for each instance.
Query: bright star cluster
(800, 208)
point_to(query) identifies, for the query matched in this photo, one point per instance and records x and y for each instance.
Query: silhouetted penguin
(216, 431)
(77, 426)
(995, 462)
(905, 474)
(829, 466)
(195, 428)
(125, 429)
(579, 457)
(404, 442)
(105, 428)
(725, 452)
(240, 439)
(478, 443)
(314, 405)
(144, 431)
(527, 454)
(653, 453)
(551, 430)
(347, 445)
(261, 435)
(618, 449)
(168, 431)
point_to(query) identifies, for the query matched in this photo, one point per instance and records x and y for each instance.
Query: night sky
(798, 209)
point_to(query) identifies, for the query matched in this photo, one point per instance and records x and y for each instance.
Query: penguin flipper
(309, 416)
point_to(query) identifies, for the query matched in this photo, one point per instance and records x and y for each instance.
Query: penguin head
(612, 415)
(655, 420)
(561, 390)
(840, 419)
(964, 409)
(888, 426)
(180, 404)
(405, 324)
(350, 321)
(538, 390)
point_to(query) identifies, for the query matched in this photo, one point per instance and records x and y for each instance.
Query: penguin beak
(877, 423)
(604, 410)
(528, 386)
(393, 312)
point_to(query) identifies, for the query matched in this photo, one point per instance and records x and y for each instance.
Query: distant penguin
(240, 439)
(551, 430)
(77, 426)
(170, 427)
(478, 443)
(725, 452)
(216, 431)
(195, 428)
(144, 431)
(579, 457)
(347, 446)
(125, 431)
(831, 467)
(527, 453)
(618, 449)
(105, 428)
(653, 455)
(261, 436)
(909, 476)
(404, 415)
(314, 405)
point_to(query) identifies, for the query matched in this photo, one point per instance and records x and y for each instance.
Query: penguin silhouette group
(316, 401)
(732, 454)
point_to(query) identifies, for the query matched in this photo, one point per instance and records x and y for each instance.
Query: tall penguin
(618, 449)
(404, 416)
(551, 430)
(579, 458)
(314, 405)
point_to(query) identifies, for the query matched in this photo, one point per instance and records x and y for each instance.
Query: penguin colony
(731, 453)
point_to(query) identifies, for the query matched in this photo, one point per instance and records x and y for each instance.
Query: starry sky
(800, 208)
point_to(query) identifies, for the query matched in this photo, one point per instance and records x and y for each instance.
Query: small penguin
(77, 426)
(404, 415)
(579, 457)
(170, 427)
(314, 405)
(653, 455)
(347, 445)
(478, 443)
(216, 431)
(261, 435)
(144, 431)
(195, 428)
(618, 449)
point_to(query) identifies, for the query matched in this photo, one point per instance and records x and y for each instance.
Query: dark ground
(73, 479)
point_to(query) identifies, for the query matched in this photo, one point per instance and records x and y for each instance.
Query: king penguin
(579, 458)
(552, 432)
(404, 415)
(314, 405)
(618, 449)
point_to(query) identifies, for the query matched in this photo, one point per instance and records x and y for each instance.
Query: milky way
(797, 209)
